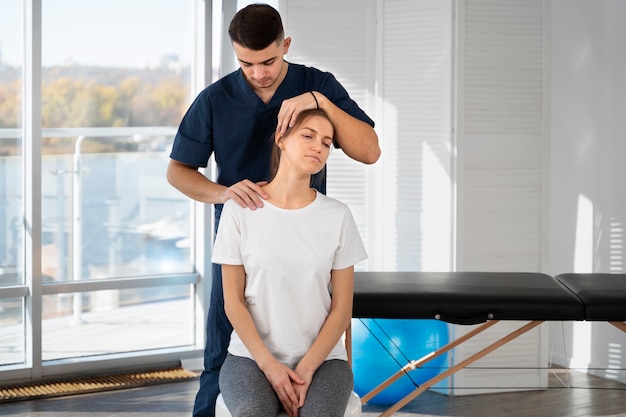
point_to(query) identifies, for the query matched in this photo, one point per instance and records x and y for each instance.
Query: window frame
(32, 289)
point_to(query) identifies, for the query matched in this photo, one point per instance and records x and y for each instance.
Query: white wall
(588, 165)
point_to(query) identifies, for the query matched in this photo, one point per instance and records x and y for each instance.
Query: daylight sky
(128, 33)
(108, 33)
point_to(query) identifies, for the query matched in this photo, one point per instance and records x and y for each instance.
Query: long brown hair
(302, 117)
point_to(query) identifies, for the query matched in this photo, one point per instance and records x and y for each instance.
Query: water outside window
(115, 84)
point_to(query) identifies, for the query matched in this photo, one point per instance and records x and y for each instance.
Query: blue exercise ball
(381, 347)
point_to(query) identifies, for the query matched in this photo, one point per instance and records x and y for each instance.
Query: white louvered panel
(502, 139)
(503, 67)
(338, 42)
(501, 158)
(347, 182)
(334, 41)
(416, 138)
(503, 206)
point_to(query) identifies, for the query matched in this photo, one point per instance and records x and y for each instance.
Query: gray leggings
(248, 393)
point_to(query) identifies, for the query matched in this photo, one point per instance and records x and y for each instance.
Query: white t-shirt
(288, 256)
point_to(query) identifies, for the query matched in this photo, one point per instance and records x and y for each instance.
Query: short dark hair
(256, 26)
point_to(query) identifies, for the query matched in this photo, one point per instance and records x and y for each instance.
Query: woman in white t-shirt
(278, 264)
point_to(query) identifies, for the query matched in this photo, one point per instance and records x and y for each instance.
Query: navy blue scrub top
(230, 120)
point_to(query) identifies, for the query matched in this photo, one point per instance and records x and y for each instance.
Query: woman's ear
(278, 139)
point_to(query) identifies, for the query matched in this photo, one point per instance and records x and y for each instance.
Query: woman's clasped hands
(290, 387)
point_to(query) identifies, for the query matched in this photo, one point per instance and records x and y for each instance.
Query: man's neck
(266, 94)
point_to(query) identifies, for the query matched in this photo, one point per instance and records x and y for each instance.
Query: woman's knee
(245, 390)
(330, 390)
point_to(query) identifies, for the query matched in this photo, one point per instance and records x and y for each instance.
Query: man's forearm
(356, 138)
(192, 183)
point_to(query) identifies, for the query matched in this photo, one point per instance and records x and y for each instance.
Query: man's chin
(266, 84)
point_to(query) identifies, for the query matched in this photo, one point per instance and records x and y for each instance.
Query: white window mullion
(31, 181)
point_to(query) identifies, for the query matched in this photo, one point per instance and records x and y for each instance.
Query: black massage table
(483, 298)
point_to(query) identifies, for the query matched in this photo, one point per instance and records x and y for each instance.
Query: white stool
(352, 410)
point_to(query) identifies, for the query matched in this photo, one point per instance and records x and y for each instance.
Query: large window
(113, 260)
(112, 96)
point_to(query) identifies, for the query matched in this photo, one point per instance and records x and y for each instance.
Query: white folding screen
(502, 146)
(501, 135)
(416, 126)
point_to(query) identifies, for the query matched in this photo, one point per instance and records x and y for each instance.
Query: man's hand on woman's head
(290, 108)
